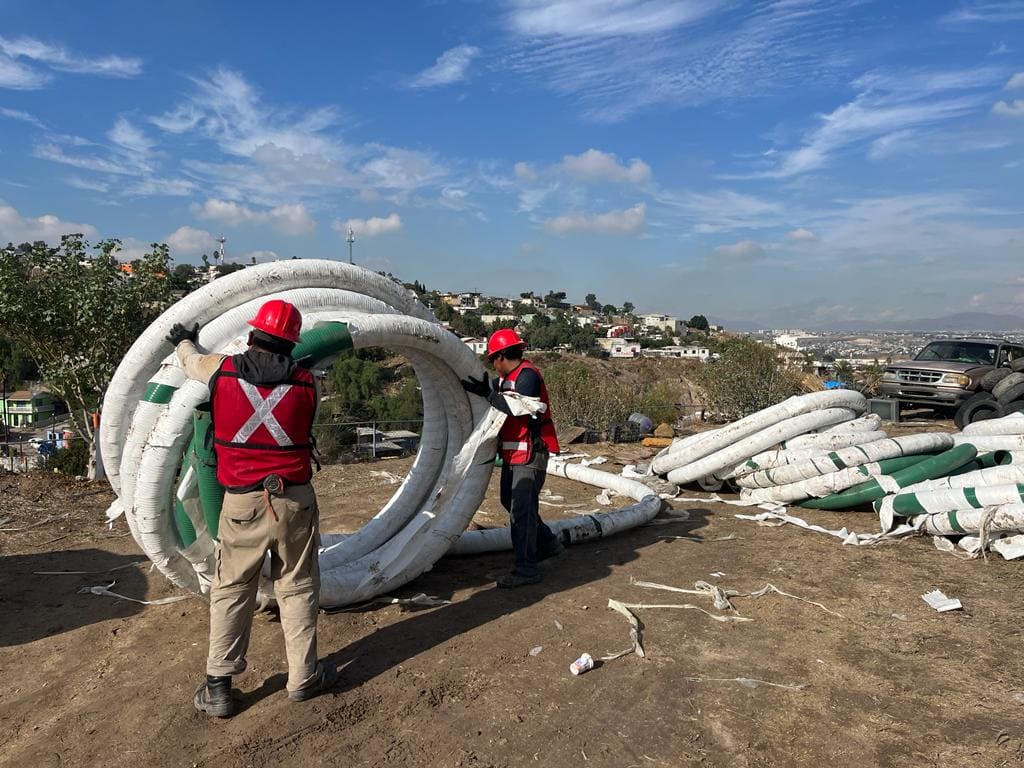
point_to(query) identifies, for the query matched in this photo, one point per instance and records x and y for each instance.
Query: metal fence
(345, 442)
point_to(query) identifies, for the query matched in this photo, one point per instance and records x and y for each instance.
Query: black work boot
(214, 697)
(513, 580)
(326, 678)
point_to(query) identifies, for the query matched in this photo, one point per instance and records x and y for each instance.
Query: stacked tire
(1000, 392)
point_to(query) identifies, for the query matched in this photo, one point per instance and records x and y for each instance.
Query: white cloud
(290, 219)
(604, 18)
(154, 187)
(525, 172)
(628, 222)
(25, 117)
(89, 185)
(15, 228)
(18, 77)
(450, 67)
(802, 235)
(1015, 82)
(371, 227)
(190, 241)
(990, 11)
(16, 74)
(129, 137)
(594, 165)
(885, 110)
(1013, 108)
(744, 250)
(721, 210)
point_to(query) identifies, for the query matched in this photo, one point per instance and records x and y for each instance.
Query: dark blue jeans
(520, 491)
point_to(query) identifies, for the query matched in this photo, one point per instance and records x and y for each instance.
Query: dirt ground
(89, 680)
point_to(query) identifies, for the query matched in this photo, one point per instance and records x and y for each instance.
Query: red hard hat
(503, 339)
(280, 319)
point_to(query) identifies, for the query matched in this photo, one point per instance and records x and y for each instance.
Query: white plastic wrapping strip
(954, 499)
(728, 456)
(1007, 425)
(1001, 519)
(848, 537)
(879, 450)
(685, 452)
(814, 487)
(575, 529)
(990, 443)
(831, 441)
(998, 475)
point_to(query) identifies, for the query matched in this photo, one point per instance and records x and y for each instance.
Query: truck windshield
(959, 351)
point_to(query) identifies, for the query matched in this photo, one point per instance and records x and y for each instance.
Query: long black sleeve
(527, 383)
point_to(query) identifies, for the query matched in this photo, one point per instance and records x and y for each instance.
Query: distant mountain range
(963, 322)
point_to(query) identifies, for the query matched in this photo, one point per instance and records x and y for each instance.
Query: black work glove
(180, 333)
(480, 387)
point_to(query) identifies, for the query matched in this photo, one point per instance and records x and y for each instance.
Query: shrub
(71, 461)
(746, 378)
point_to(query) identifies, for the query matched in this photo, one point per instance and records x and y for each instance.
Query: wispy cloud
(21, 59)
(604, 18)
(451, 67)
(618, 57)
(988, 12)
(626, 222)
(886, 109)
(371, 227)
(1015, 82)
(802, 235)
(292, 219)
(17, 228)
(722, 210)
(25, 117)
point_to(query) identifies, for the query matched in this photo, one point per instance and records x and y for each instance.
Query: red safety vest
(262, 430)
(515, 440)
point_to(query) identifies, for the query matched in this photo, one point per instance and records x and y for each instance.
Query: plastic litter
(105, 591)
(940, 602)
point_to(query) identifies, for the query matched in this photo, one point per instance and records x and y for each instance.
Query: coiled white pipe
(1012, 424)
(990, 443)
(814, 487)
(831, 441)
(1004, 519)
(869, 422)
(998, 475)
(143, 443)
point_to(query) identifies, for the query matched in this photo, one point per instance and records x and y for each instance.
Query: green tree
(699, 322)
(844, 372)
(468, 324)
(746, 378)
(592, 302)
(182, 277)
(75, 312)
(444, 312)
(609, 309)
(627, 307)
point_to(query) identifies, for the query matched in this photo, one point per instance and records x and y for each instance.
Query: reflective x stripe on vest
(263, 413)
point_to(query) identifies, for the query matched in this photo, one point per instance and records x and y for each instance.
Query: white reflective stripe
(263, 413)
(514, 446)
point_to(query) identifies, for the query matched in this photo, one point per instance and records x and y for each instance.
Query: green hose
(931, 467)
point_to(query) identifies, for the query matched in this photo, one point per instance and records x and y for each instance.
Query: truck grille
(918, 377)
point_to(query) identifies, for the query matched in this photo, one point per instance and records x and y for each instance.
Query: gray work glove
(180, 333)
(480, 387)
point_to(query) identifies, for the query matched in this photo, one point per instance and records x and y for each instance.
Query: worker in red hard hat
(263, 405)
(525, 443)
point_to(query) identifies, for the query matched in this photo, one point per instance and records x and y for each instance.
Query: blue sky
(779, 161)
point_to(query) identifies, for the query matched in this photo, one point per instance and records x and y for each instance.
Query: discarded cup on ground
(582, 664)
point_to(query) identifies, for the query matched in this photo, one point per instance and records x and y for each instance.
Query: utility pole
(219, 253)
(350, 240)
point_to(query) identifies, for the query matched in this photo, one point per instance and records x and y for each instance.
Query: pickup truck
(947, 371)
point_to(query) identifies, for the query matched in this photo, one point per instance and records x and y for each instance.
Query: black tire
(1013, 393)
(979, 397)
(980, 410)
(1006, 384)
(1017, 406)
(1017, 365)
(993, 377)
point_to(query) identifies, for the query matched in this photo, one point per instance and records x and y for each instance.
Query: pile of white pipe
(142, 443)
(817, 445)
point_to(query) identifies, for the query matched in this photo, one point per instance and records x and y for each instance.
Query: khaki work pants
(247, 532)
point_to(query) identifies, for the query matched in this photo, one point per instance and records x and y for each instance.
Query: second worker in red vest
(263, 406)
(525, 442)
